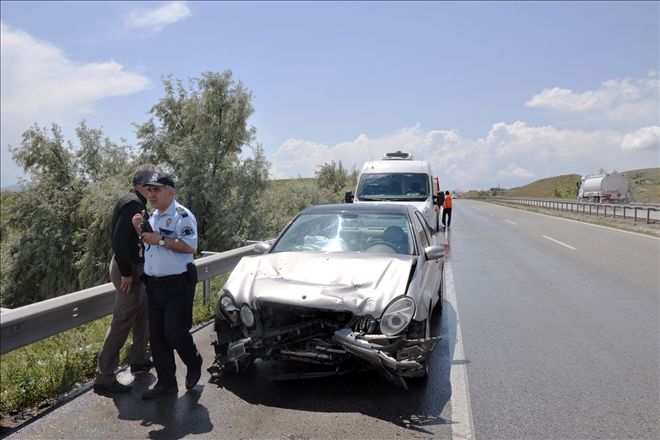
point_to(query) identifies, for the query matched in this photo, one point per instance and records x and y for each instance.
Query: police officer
(130, 310)
(170, 277)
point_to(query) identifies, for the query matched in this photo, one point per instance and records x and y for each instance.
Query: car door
(431, 270)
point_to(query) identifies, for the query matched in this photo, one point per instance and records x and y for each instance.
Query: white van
(401, 179)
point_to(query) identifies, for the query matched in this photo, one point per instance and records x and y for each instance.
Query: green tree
(335, 180)
(41, 255)
(199, 132)
(56, 236)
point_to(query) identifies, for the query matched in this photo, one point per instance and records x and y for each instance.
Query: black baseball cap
(160, 178)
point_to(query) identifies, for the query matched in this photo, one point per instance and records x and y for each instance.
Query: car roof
(366, 208)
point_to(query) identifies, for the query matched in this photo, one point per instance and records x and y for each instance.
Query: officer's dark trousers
(169, 304)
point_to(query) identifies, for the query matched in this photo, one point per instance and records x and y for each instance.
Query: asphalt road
(560, 325)
(550, 332)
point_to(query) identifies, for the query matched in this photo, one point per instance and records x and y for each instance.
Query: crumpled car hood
(360, 283)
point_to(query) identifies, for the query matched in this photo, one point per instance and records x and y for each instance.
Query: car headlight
(397, 316)
(227, 307)
(247, 316)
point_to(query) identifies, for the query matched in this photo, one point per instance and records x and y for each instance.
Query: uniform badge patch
(188, 230)
(168, 222)
(181, 211)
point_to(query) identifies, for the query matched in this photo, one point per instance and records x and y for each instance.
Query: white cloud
(39, 80)
(155, 20)
(646, 138)
(514, 170)
(511, 154)
(616, 100)
(546, 142)
(39, 84)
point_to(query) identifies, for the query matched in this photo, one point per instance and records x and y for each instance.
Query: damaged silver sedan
(343, 288)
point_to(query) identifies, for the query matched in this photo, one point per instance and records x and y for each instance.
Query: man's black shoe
(141, 368)
(193, 375)
(112, 388)
(159, 391)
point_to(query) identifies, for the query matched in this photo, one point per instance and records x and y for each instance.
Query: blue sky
(491, 93)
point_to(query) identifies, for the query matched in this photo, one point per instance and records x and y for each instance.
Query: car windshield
(347, 232)
(388, 186)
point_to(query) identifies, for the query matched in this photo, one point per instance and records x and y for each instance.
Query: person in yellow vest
(446, 210)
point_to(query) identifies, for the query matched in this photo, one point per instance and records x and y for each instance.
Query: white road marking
(461, 411)
(585, 223)
(513, 223)
(558, 242)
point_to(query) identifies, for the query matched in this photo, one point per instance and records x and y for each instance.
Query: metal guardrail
(624, 211)
(34, 322)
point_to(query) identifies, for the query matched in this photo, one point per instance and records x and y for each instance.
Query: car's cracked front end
(337, 340)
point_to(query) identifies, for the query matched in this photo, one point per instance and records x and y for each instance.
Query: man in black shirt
(130, 310)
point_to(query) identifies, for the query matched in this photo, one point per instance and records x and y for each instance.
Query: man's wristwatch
(161, 242)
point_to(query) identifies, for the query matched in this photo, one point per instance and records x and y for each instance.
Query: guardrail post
(206, 291)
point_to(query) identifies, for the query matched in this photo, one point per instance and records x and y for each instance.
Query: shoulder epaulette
(182, 211)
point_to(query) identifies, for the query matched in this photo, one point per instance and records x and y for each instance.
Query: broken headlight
(397, 316)
(227, 307)
(247, 316)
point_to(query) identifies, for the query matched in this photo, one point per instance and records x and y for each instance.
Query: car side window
(429, 230)
(420, 230)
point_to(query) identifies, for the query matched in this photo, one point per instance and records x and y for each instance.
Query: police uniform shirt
(176, 222)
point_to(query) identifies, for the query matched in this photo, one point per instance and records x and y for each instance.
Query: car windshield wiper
(372, 199)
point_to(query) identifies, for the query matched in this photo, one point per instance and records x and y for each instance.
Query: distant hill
(644, 186)
(561, 187)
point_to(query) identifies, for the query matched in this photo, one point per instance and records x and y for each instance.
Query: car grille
(275, 315)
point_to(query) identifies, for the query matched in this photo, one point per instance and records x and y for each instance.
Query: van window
(389, 186)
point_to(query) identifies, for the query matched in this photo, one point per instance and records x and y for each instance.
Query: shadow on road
(173, 417)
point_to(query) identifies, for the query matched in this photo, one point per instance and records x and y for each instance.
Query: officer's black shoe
(141, 368)
(112, 388)
(194, 375)
(159, 391)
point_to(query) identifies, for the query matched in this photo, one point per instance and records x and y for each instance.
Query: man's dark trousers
(446, 216)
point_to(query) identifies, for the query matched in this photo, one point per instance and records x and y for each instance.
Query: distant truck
(401, 179)
(604, 188)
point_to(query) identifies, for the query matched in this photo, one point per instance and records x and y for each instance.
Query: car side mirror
(262, 247)
(434, 252)
(348, 197)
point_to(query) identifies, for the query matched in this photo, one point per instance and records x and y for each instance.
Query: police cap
(160, 178)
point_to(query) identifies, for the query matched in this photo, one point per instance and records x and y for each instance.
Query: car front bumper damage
(397, 358)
